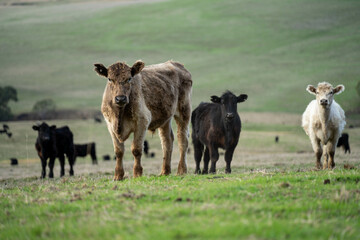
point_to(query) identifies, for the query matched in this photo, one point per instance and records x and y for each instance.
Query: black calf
(344, 142)
(54, 142)
(81, 150)
(216, 125)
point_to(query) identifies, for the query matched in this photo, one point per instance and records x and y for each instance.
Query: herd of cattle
(139, 98)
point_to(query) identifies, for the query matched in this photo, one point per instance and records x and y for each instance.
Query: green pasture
(268, 49)
(252, 205)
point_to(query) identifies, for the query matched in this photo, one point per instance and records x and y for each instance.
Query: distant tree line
(7, 94)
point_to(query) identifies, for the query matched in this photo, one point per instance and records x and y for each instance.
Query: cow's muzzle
(229, 117)
(121, 100)
(324, 102)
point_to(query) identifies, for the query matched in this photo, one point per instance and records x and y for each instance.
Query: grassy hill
(268, 49)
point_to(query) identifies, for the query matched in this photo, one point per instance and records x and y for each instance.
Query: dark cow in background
(81, 150)
(54, 142)
(14, 161)
(146, 150)
(216, 125)
(344, 142)
(139, 98)
(6, 130)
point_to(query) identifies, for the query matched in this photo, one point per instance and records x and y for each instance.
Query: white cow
(324, 121)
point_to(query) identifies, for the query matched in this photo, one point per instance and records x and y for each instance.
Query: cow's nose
(229, 115)
(323, 101)
(121, 99)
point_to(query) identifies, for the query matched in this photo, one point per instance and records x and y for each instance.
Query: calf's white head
(325, 93)
(119, 77)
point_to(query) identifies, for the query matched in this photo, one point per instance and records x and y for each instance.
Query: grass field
(257, 205)
(268, 49)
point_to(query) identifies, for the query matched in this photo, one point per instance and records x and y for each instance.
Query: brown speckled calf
(141, 98)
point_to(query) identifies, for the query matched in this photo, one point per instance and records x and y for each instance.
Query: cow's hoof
(197, 171)
(205, 171)
(227, 171)
(118, 178)
(71, 172)
(51, 175)
(165, 171)
(181, 171)
(138, 171)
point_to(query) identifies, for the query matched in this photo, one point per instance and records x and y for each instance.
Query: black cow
(14, 161)
(344, 142)
(216, 125)
(54, 142)
(6, 130)
(81, 150)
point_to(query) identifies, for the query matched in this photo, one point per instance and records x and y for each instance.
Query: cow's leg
(136, 149)
(119, 168)
(43, 165)
(228, 158)
(62, 164)
(119, 150)
(330, 147)
(51, 167)
(182, 122)
(167, 140)
(325, 158)
(93, 154)
(347, 147)
(317, 149)
(214, 156)
(198, 152)
(206, 161)
(71, 160)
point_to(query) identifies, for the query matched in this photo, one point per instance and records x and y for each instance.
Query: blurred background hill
(269, 49)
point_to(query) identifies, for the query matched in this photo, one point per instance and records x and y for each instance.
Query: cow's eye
(109, 79)
(331, 92)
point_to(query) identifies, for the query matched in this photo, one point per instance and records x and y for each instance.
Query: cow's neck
(324, 116)
(121, 114)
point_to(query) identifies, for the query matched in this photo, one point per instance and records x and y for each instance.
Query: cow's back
(64, 140)
(163, 85)
(206, 122)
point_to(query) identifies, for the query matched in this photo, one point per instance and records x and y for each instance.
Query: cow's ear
(339, 89)
(137, 67)
(101, 70)
(53, 127)
(242, 98)
(36, 128)
(215, 99)
(311, 89)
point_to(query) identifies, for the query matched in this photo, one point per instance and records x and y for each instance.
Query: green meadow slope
(269, 49)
